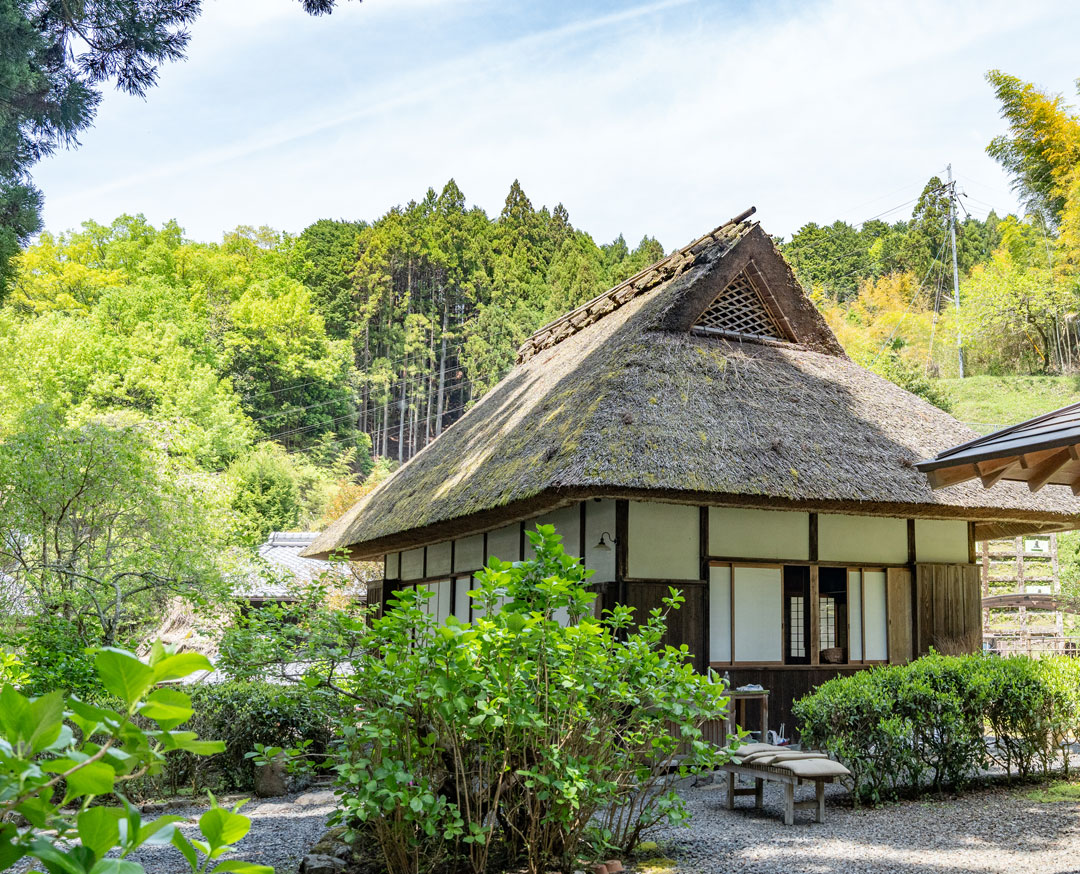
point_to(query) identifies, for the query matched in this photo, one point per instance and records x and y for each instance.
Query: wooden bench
(813, 768)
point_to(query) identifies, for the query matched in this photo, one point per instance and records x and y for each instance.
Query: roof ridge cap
(584, 314)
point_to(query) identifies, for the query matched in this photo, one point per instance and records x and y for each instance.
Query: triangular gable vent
(739, 311)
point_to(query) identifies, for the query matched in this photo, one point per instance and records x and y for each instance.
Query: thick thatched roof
(629, 396)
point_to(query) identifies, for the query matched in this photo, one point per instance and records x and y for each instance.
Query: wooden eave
(987, 523)
(1052, 465)
(1041, 451)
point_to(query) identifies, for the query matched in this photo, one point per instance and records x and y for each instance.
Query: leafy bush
(940, 719)
(59, 755)
(244, 715)
(12, 670)
(54, 657)
(518, 734)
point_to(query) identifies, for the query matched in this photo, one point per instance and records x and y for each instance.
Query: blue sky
(663, 117)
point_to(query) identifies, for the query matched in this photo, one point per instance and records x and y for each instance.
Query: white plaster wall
(438, 559)
(443, 600)
(600, 517)
(412, 564)
(567, 522)
(867, 539)
(855, 625)
(663, 541)
(504, 543)
(759, 612)
(720, 614)
(393, 566)
(944, 541)
(736, 532)
(461, 608)
(875, 617)
(469, 553)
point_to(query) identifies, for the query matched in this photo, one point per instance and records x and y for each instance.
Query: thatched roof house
(704, 418)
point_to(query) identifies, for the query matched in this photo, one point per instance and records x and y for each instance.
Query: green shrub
(937, 721)
(54, 657)
(516, 738)
(244, 714)
(61, 757)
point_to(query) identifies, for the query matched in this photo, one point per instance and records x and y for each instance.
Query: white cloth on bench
(813, 768)
(806, 764)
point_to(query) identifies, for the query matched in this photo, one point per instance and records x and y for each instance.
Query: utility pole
(951, 186)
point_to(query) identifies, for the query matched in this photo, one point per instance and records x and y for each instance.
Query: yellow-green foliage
(659, 865)
(1059, 790)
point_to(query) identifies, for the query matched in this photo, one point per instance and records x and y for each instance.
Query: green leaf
(239, 867)
(55, 860)
(188, 740)
(186, 850)
(158, 832)
(157, 653)
(31, 724)
(10, 851)
(167, 707)
(181, 665)
(220, 826)
(99, 829)
(37, 811)
(95, 778)
(117, 866)
(123, 674)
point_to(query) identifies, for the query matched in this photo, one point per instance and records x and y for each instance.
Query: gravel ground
(991, 830)
(282, 831)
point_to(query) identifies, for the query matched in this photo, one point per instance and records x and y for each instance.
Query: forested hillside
(886, 289)
(272, 368)
(166, 402)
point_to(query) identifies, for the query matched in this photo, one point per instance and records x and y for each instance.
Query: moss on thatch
(636, 404)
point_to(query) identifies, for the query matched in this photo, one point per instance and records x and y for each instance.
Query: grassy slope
(987, 403)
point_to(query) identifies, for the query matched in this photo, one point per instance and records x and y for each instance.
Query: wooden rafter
(991, 472)
(1044, 470)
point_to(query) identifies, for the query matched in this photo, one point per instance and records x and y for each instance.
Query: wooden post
(1025, 637)
(789, 803)
(820, 810)
(1055, 590)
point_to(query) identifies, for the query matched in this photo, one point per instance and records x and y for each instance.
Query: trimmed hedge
(937, 721)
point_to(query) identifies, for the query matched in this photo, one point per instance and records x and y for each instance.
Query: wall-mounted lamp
(605, 542)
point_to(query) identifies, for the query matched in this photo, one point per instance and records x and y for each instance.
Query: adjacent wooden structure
(1040, 451)
(699, 426)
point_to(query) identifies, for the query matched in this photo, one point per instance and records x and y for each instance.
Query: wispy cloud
(663, 117)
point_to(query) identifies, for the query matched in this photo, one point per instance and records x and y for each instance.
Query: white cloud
(665, 118)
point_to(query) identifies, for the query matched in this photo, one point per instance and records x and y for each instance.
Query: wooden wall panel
(786, 686)
(901, 623)
(949, 601)
(685, 625)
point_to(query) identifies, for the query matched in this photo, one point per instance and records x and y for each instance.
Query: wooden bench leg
(820, 801)
(759, 792)
(731, 778)
(789, 804)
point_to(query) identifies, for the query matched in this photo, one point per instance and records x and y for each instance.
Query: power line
(363, 410)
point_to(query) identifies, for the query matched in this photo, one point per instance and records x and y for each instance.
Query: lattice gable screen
(738, 310)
